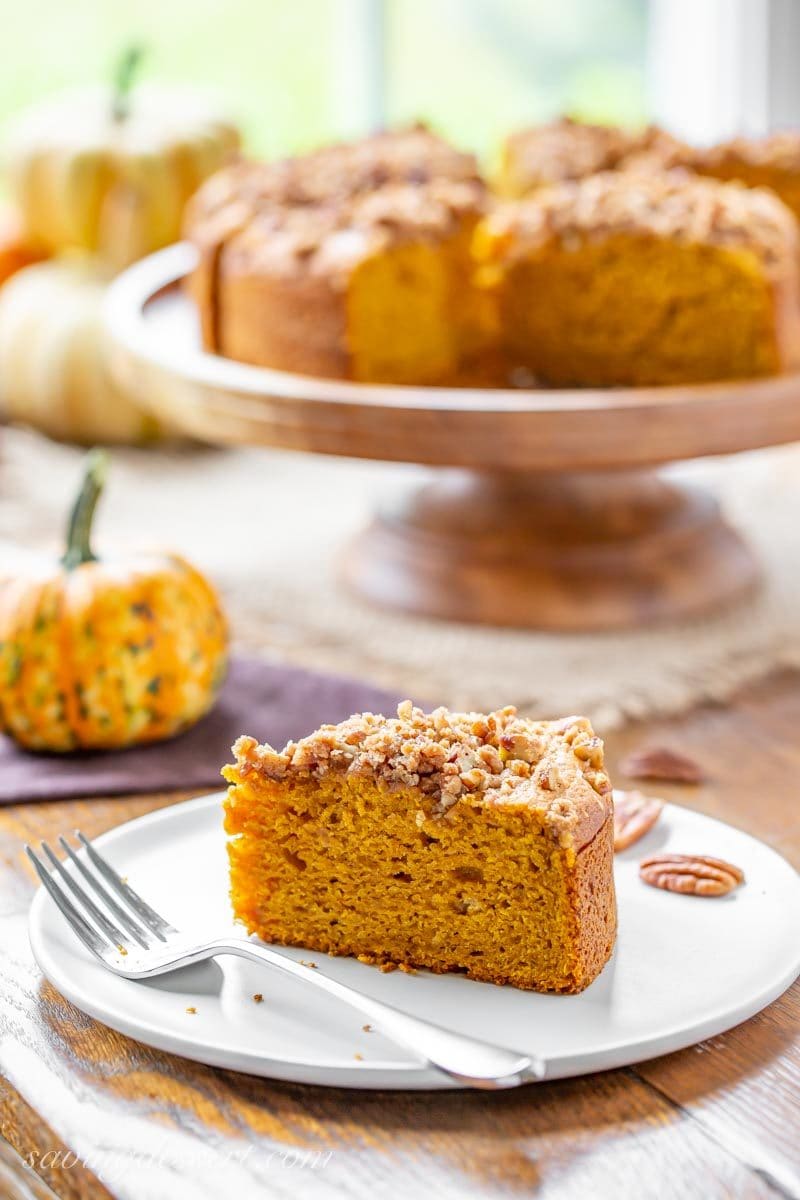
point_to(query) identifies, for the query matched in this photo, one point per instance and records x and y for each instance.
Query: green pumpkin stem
(79, 529)
(124, 75)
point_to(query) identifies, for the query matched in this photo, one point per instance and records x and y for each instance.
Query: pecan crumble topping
(501, 758)
(669, 205)
(567, 149)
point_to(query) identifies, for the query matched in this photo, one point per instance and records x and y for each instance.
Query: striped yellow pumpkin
(109, 170)
(103, 653)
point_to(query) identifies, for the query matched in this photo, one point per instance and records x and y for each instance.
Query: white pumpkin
(110, 171)
(54, 356)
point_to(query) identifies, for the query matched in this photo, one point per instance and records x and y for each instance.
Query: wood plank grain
(17, 1180)
(156, 1126)
(743, 1086)
(743, 1089)
(719, 1120)
(750, 752)
(33, 1156)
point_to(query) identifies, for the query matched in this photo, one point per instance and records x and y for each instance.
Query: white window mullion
(359, 67)
(708, 67)
(721, 67)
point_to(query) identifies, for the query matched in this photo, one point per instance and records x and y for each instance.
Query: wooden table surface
(96, 1114)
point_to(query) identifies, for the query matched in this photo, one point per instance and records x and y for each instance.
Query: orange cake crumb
(451, 841)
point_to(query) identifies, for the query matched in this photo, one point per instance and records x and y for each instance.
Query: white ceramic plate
(684, 968)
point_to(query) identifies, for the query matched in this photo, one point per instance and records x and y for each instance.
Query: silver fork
(131, 939)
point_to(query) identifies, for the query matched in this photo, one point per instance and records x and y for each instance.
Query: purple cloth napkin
(272, 702)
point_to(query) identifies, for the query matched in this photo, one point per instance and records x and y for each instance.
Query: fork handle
(465, 1060)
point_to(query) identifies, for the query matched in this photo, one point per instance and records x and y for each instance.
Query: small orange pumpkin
(106, 653)
(15, 251)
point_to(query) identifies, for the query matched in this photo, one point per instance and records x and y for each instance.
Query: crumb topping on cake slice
(669, 205)
(555, 767)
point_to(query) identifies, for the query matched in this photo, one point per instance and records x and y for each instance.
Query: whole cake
(352, 262)
(567, 150)
(623, 279)
(624, 258)
(452, 841)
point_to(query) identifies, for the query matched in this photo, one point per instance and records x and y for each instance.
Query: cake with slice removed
(451, 841)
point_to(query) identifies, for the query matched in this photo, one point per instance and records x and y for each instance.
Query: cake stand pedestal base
(562, 552)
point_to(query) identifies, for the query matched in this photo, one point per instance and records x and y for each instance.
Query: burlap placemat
(266, 526)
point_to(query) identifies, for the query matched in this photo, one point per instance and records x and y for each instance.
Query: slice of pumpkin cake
(452, 841)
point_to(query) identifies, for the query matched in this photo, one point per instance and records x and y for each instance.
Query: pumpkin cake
(352, 262)
(772, 162)
(566, 149)
(451, 841)
(622, 279)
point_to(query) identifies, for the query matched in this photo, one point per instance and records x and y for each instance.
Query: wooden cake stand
(551, 515)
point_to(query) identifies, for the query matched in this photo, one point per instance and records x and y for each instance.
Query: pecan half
(660, 762)
(691, 874)
(634, 815)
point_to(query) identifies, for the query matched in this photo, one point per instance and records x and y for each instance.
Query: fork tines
(108, 916)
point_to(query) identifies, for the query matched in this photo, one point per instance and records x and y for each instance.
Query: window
(478, 68)
(299, 72)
